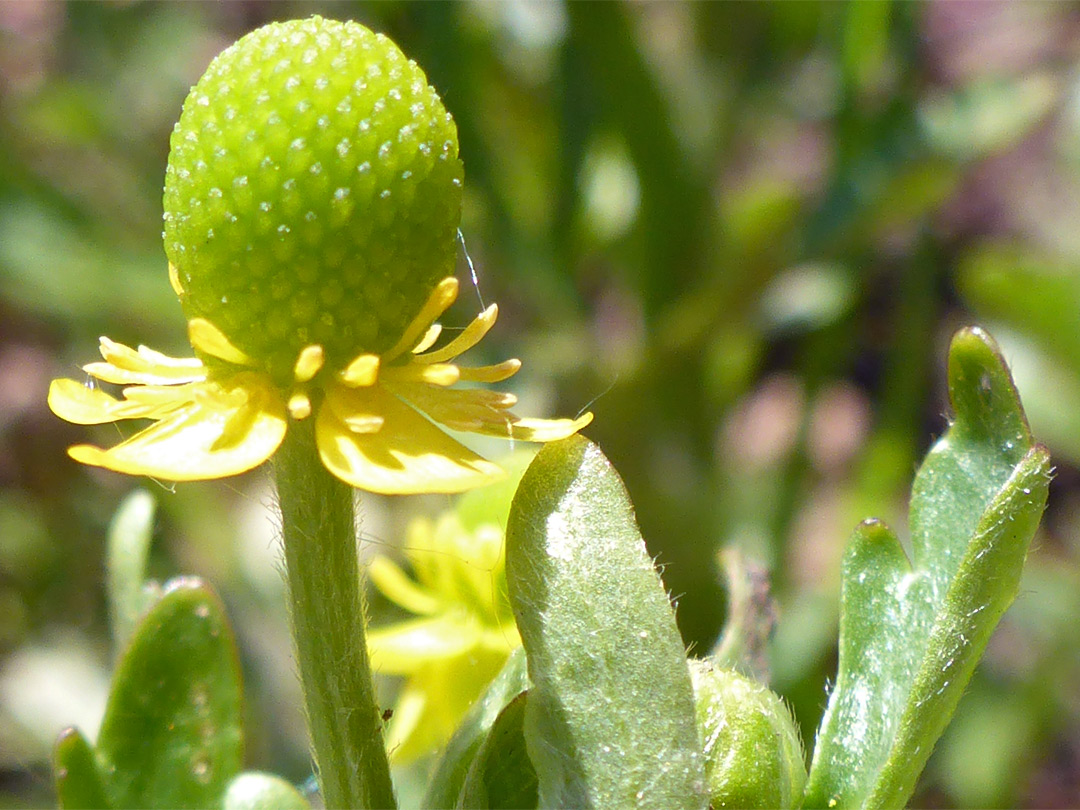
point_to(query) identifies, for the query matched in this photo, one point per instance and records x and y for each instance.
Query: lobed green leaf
(171, 736)
(911, 633)
(79, 784)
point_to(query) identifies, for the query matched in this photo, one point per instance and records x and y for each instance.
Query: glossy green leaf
(445, 785)
(911, 633)
(502, 775)
(610, 720)
(262, 791)
(79, 785)
(128, 547)
(171, 736)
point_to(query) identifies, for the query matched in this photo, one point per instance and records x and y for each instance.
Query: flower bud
(753, 752)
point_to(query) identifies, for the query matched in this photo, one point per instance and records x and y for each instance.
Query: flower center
(313, 193)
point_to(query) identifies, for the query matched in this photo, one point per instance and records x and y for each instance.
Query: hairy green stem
(328, 622)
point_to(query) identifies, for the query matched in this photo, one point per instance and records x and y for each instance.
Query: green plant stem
(328, 623)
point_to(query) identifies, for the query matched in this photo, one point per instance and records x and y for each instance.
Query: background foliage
(745, 230)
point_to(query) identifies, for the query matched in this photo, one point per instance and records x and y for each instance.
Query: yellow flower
(374, 417)
(460, 642)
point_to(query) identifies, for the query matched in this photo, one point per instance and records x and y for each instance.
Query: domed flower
(312, 201)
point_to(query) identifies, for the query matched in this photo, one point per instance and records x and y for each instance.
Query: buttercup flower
(312, 201)
(462, 638)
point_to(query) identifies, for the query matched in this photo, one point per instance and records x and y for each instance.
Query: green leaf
(911, 633)
(262, 791)
(445, 785)
(128, 546)
(171, 736)
(501, 774)
(79, 784)
(610, 720)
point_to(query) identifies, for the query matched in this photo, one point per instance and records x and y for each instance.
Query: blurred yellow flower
(462, 638)
(226, 416)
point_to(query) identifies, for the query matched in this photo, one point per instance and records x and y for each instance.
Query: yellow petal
(460, 409)
(207, 338)
(76, 403)
(174, 280)
(361, 372)
(490, 374)
(408, 455)
(438, 302)
(124, 365)
(441, 374)
(484, 412)
(534, 430)
(469, 337)
(211, 437)
(405, 647)
(395, 585)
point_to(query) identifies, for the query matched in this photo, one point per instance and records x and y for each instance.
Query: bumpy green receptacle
(313, 192)
(753, 752)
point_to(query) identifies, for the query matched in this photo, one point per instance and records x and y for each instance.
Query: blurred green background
(741, 233)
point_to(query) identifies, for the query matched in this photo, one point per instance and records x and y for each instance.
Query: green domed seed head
(313, 193)
(753, 751)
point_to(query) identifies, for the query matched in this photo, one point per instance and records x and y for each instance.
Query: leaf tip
(981, 388)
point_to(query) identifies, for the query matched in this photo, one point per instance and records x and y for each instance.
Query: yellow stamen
(309, 363)
(299, 405)
(364, 423)
(361, 372)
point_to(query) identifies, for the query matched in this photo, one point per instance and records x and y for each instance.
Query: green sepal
(911, 633)
(172, 736)
(128, 546)
(610, 720)
(79, 784)
(446, 783)
(501, 774)
(253, 790)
